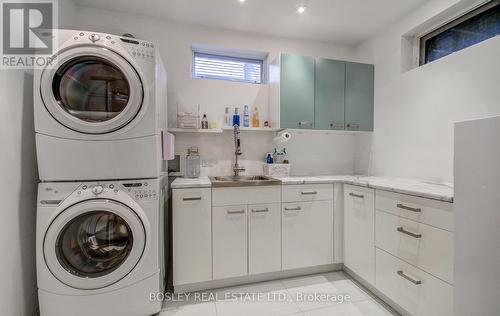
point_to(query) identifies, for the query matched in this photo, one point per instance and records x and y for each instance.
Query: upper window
(215, 66)
(474, 27)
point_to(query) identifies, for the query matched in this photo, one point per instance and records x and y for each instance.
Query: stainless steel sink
(243, 181)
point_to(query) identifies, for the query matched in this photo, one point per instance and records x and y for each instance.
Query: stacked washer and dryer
(100, 122)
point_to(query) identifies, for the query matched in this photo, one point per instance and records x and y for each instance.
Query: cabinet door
(264, 238)
(359, 97)
(297, 92)
(192, 236)
(359, 231)
(230, 241)
(307, 230)
(329, 94)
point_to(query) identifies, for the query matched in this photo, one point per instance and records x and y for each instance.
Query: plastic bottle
(204, 122)
(236, 117)
(255, 118)
(246, 116)
(227, 117)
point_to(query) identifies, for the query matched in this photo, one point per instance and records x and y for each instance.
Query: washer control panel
(141, 190)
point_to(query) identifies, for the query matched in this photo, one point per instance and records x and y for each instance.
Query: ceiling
(345, 22)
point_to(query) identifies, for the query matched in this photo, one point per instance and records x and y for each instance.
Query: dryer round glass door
(94, 244)
(91, 90)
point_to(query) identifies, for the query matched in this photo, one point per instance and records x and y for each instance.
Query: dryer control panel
(139, 49)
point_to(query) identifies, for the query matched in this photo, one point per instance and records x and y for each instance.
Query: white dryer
(100, 248)
(100, 109)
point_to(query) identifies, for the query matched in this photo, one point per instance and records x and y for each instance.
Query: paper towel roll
(282, 138)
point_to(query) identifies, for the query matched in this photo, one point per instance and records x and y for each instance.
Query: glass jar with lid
(193, 163)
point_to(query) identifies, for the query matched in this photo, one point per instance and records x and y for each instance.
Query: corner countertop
(415, 187)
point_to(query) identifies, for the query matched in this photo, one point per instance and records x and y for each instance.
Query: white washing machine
(100, 247)
(100, 109)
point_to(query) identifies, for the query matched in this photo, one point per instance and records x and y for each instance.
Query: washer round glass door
(91, 90)
(94, 244)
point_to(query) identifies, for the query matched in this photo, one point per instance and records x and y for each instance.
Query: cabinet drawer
(427, 247)
(427, 211)
(246, 195)
(418, 292)
(230, 241)
(307, 234)
(307, 192)
(192, 236)
(264, 238)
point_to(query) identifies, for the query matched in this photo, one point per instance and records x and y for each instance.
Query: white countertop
(187, 183)
(420, 188)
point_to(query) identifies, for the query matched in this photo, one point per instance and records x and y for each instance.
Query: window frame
(230, 57)
(464, 17)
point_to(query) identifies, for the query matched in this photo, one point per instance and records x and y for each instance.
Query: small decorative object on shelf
(188, 118)
(277, 170)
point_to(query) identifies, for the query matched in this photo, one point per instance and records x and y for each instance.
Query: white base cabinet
(359, 231)
(307, 234)
(246, 237)
(192, 235)
(230, 241)
(264, 238)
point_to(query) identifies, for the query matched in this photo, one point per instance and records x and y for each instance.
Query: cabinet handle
(236, 212)
(260, 211)
(404, 231)
(413, 209)
(196, 198)
(298, 208)
(305, 123)
(359, 196)
(404, 276)
(309, 193)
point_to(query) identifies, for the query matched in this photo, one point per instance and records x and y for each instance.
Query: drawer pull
(404, 231)
(298, 208)
(413, 209)
(308, 192)
(359, 196)
(196, 198)
(412, 280)
(261, 211)
(236, 212)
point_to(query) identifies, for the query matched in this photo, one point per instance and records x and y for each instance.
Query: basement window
(474, 27)
(227, 67)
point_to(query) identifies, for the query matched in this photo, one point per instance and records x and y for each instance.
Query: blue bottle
(269, 158)
(236, 117)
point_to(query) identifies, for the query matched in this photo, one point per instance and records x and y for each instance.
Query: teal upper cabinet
(323, 94)
(297, 92)
(329, 94)
(359, 87)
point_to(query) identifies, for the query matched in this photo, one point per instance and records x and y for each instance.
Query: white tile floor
(293, 296)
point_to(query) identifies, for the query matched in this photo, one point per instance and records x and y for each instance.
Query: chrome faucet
(237, 151)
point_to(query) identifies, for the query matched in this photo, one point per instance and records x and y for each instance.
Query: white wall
(331, 154)
(18, 187)
(415, 110)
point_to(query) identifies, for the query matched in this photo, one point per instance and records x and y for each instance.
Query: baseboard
(248, 279)
(376, 294)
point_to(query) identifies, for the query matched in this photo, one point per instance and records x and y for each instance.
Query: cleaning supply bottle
(255, 118)
(236, 117)
(246, 116)
(204, 122)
